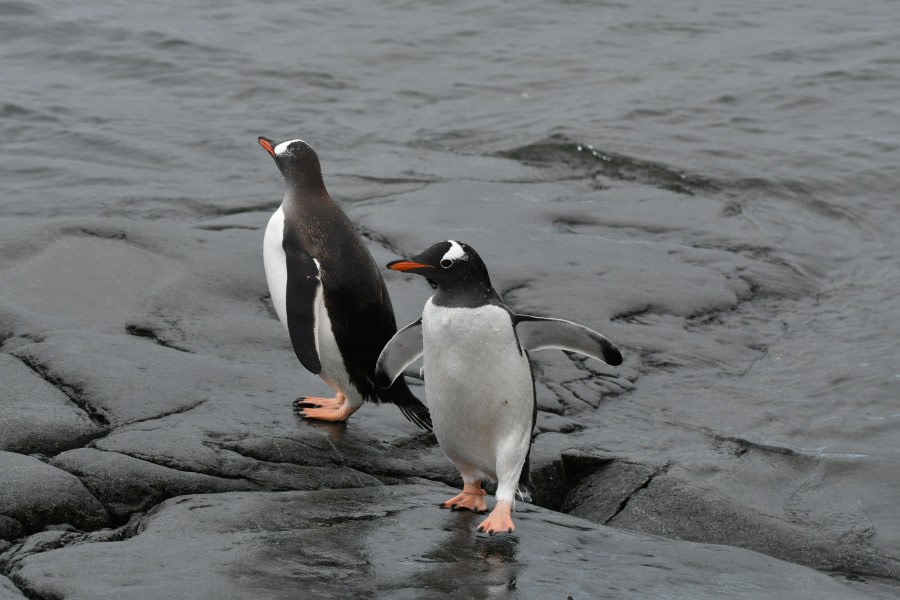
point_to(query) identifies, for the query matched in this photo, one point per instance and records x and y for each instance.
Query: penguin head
(297, 161)
(449, 266)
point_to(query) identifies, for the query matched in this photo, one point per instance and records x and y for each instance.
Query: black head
(297, 161)
(455, 270)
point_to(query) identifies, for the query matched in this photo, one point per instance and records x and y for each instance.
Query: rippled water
(157, 101)
(763, 135)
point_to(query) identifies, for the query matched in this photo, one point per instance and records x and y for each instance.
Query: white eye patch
(455, 252)
(283, 146)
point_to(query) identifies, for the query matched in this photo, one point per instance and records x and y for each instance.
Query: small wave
(582, 160)
(558, 151)
(17, 9)
(8, 110)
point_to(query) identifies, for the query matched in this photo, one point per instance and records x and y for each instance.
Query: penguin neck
(305, 192)
(306, 183)
(468, 296)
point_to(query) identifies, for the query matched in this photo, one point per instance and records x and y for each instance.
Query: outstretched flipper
(536, 333)
(304, 285)
(401, 351)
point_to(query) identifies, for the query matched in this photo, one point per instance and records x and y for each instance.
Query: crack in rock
(72, 392)
(226, 227)
(176, 411)
(144, 331)
(381, 240)
(627, 499)
(175, 466)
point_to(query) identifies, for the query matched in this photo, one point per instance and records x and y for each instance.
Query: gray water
(713, 184)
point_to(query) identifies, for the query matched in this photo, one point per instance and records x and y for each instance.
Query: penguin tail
(522, 491)
(411, 407)
(523, 494)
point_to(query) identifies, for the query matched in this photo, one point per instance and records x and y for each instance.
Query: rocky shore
(148, 448)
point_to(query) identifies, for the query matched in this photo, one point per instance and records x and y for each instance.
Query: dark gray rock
(93, 280)
(8, 590)
(677, 509)
(10, 528)
(393, 542)
(195, 380)
(116, 377)
(34, 494)
(127, 485)
(604, 492)
(46, 541)
(37, 416)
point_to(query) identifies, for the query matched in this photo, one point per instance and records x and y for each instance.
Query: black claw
(510, 530)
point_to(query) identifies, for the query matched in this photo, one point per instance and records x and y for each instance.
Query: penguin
(478, 379)
(328, 293)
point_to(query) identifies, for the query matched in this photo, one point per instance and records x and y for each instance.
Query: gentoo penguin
(328, 292)
(478, 379)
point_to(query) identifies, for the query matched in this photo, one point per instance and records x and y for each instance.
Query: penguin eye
(446, 263)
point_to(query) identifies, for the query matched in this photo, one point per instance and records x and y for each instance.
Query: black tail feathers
(411, 407)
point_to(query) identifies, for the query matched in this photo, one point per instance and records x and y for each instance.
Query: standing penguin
(478, 380)
(328, 292)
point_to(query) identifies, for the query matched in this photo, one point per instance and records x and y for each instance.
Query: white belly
(479, 390)
(275, 263)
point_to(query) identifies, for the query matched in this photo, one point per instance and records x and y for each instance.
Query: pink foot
(499, 520)
(471, 498)
(325, 409)
(314, 402)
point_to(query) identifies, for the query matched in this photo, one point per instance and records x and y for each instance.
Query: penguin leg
(471, 498)
(499, 520)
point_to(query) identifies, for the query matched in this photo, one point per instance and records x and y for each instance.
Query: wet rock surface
(34, 495)
(391, 542)
(8, 590)
(38, 417)
(189, 391)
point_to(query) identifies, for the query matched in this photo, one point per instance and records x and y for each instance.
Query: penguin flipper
(536, 333)
(400, 352)
(304, 285)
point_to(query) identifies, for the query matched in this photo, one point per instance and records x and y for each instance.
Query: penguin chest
(479, 385)
(275, 262)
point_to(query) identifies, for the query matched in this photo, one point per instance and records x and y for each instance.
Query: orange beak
(267, 145)
(407, 265)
